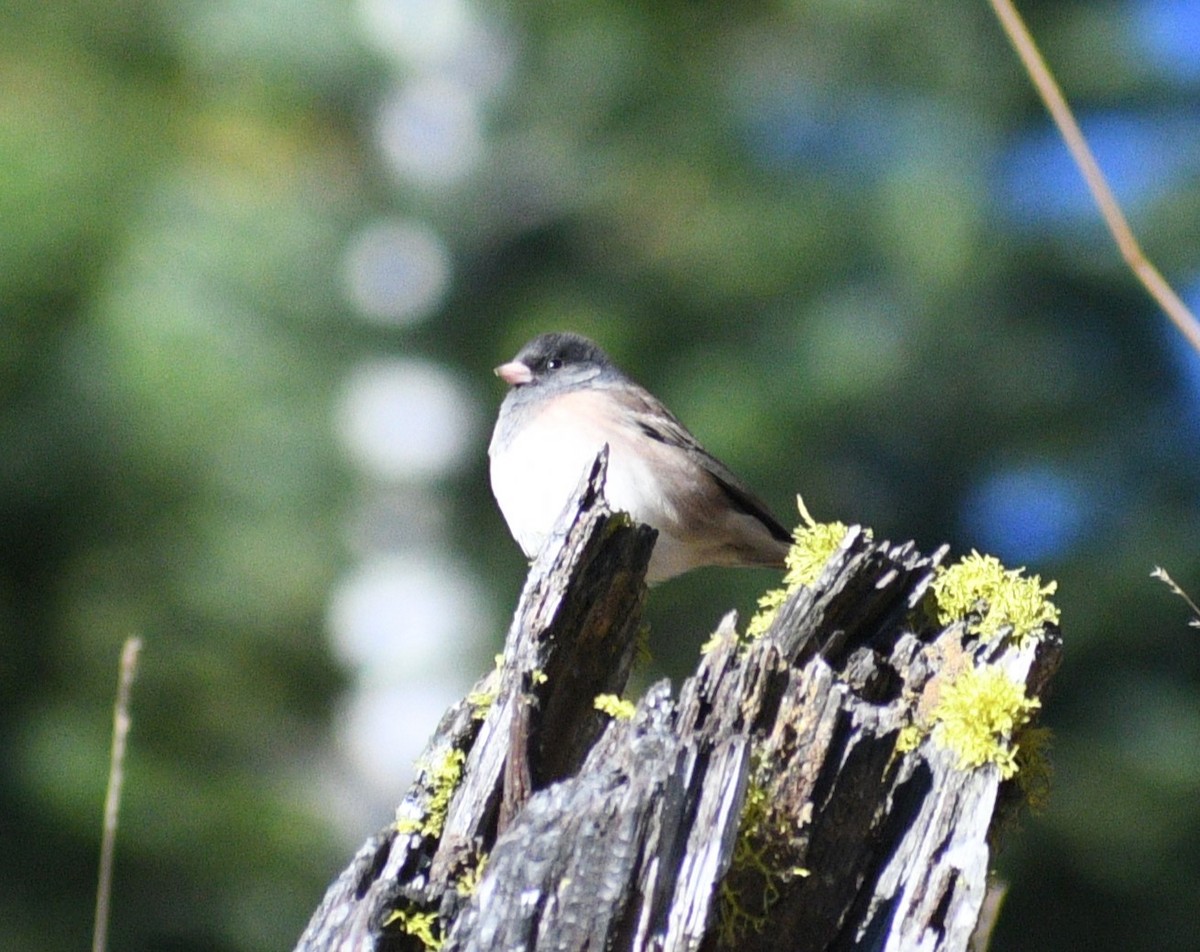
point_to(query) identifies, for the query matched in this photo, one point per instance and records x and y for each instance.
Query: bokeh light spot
(1026, 514)
(419, 31)
(384, 727)
(1169, 33)
(406, 418)
(397, 272)
(430, 133)
(406, 614)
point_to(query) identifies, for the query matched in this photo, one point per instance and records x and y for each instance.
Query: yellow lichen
(909, 739)
(713, 642)
(481, 701)
(719, 637)
(993, 597)
(468, 882)
(422, 926)
(442, 779)
(978, 715)
(615, 707)
(481, 704)
(768, 606)
(446, 776)
(813, 544)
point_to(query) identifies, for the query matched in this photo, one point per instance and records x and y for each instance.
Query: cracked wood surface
(631, 834)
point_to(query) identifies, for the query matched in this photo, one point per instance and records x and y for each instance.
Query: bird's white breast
(536, 473)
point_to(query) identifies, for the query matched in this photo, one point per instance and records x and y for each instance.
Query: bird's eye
(553, 363)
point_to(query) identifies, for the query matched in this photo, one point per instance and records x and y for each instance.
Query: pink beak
(514, 373)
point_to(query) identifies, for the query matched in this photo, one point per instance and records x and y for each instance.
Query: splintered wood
(770, 805)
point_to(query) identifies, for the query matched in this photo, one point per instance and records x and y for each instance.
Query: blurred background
(257, 259)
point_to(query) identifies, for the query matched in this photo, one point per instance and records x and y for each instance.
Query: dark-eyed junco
(568, 400)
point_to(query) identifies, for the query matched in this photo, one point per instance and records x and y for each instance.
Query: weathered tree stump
(768, 807)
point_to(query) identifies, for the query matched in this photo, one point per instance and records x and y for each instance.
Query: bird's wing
(657, 422)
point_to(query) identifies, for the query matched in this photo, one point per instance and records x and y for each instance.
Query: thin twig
(1056, 103)
(112, 799)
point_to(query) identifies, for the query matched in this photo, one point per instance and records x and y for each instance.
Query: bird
(567, 400)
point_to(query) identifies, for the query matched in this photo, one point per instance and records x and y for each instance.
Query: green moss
(1033, 766)
(615, 707)
(979, 588)
(978, 716)
(642, 656)
(763, 838)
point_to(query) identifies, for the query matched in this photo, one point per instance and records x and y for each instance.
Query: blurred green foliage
(795, 222)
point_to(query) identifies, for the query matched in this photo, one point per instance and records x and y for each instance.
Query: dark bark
(766, 807)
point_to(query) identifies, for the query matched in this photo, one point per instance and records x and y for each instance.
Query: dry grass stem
(112, 799)
(1056, 103)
